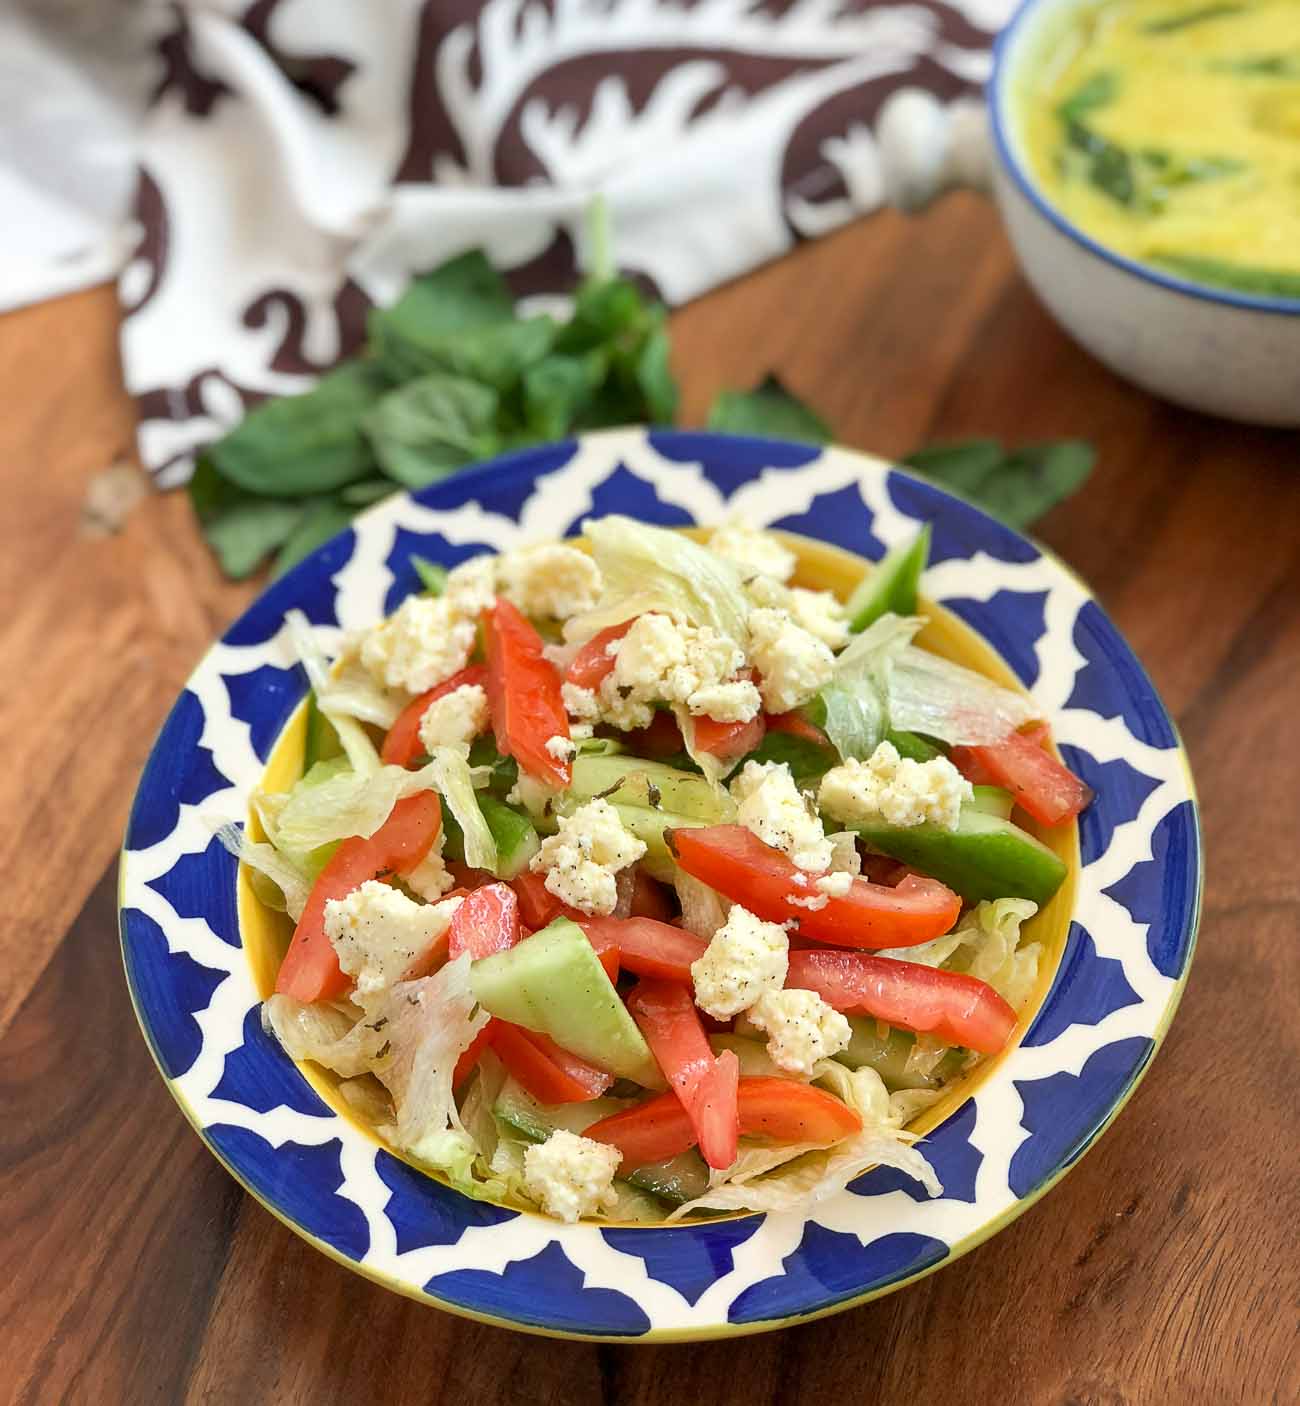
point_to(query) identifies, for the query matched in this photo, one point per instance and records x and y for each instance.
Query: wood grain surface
(1164, 1269)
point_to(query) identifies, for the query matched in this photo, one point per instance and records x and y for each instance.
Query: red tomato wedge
(310, 970)
(1048, 790)
(666, 1015)
(727, 741)
(780, 1109)
(524, 694)
(950, 1005)
(740, 866)
(486, 922)
(662, 738)
(469, 1055)
(649, 898)
(592, 662)
(549, 1073)
(646, 946)
(537, 904)
(797, 726)
(403, 740)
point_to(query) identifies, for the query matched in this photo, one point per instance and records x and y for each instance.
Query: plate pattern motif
(1126, 956)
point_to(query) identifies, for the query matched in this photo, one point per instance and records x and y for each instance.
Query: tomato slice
(549, 1073)
(649, 897)
(592, 662)
(486, 922)
(537, 904)
(403, 741)
(780, 1109)
(310, 970)
(956, 1008)
(727, 741)
(524, 694)
(666, 1016)
(646, 946)
(796, 725)
(740, 866)
(469, 1055)
(1020, 763)
(660, 738)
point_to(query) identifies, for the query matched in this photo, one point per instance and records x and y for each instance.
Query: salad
(630, 880)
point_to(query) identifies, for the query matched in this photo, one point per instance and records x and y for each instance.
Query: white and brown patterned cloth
(302, 158)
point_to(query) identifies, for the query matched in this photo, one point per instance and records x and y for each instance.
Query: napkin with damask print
(303, 158)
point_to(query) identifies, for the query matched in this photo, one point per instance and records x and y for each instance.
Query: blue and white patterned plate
(1120, 976)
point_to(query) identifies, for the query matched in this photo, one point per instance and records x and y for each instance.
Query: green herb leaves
(769, 410)
(433, 426)
(1017, 485)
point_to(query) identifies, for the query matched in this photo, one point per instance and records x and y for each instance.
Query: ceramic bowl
(1209, 349)
(1125, 936)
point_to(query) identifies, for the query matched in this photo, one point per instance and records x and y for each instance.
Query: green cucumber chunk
(984, 857)
(321, 742)
(891, 585)
(516, 839)
(623, 780)
(888, 1056)
(646, 824)
(992, 800)
(680, 1178)
(910, 744)
(553, 982)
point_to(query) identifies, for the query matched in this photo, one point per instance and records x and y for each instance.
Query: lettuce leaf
(858, 698)
(360, 750)
(453, 778)
(991, 951)
(937, 698)
(650, 568)
(292, 883)
(327, 1034)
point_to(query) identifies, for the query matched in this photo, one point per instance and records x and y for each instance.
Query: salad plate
(1125, 923)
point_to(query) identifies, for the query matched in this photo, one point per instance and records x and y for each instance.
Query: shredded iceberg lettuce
(858, 698)
(360, 750)
(992, 952)
(937, 698)
(348, 1044)
(453, 777)
(293, 885)
(652, 568)
(813, 1175)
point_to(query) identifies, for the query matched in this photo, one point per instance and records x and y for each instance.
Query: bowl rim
(1000, 121)
(689, 441)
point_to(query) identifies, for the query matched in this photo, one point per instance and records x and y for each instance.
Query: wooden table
(1163, 1270)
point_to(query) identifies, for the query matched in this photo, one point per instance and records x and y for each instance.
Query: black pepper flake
(380, 1023)
(654, 795)
(608, 791)
(384, 1049)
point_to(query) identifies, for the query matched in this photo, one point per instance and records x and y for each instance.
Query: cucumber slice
(891, 585)
(909, 744)
(553, 982)
(322, 741)
(515, 837)
(992, 800)
(888, 1056)
(984, 857)
(751, 1055)
(680, 1178)
(632, 781)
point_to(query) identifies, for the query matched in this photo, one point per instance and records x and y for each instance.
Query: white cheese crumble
(571, 1176)
(813, 902)
(819, 612)
(455, 719)
(379, 933)
(580, 702)
(753, 550)
(845, 858)
(562, 748)
(745, 957)
(895, 789)
(659, 660)
(801, 1029)
(431, 878)
(422, 643)
(550, 581)
(736, 702)
(580, 862)
(792, 663)
(471, 587)
(772, 807)
(835, 884)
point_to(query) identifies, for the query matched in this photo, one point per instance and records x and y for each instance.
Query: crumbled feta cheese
(801, 1029)
(818, 612)
(422, 643)
(379, 933)
(792, 663)
(813, 902)
(536, 797)
(745, 957)
(772, 807)
(571, 1176)
(736, 702)
(580, 702)
(836, 884)
(845, 858)
(455, 719)
(753, 550)
(551, 580)
(580, 861)
(431, 878)
(659, 660)
(895, 789)
(581, 732)
(472, 586)
(562, 748)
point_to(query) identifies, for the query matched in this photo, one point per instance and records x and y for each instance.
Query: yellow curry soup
(1169, 131)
